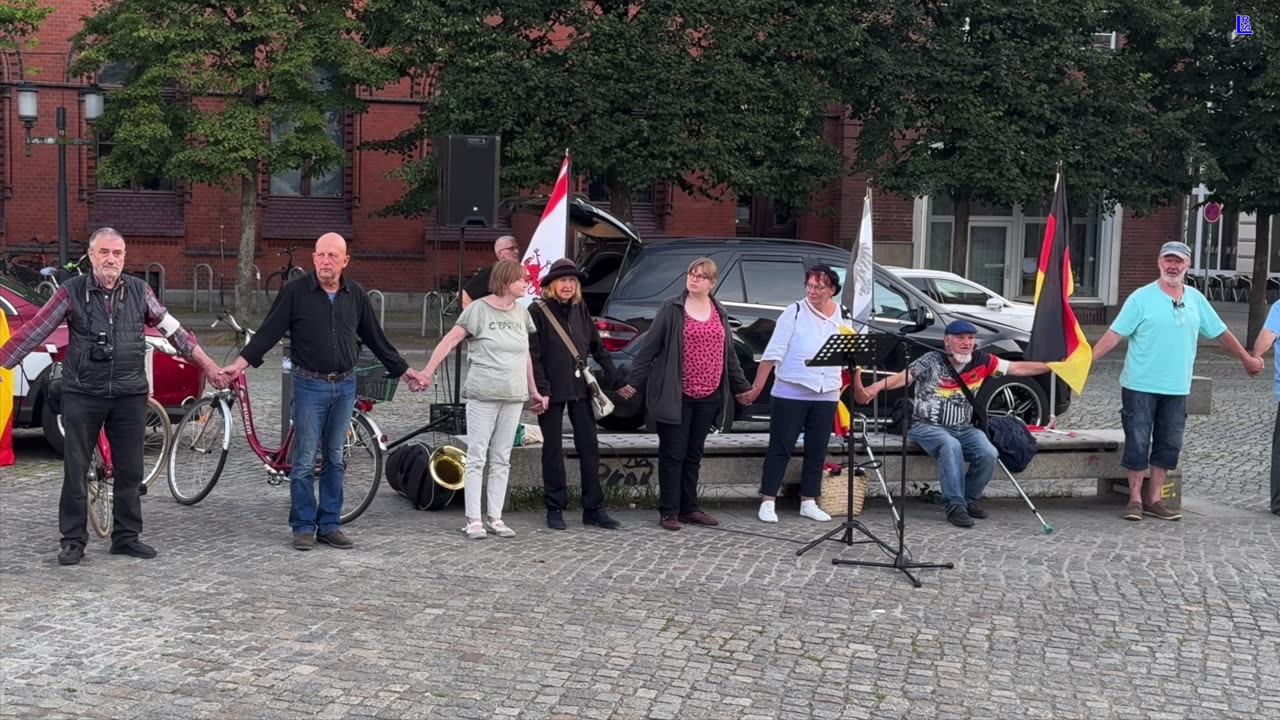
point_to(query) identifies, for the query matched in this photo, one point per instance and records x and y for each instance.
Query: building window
(1106, 41)
(302, 181)
(598, 192)
(114, 74)
(1004, 246)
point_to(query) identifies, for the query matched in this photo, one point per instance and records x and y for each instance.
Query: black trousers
(787, 419)
(554, 483)
(1275, 464)
(680, 454)
(124, 418)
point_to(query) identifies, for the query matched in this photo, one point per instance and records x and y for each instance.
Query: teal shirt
(1273, 324)
(1163, 338)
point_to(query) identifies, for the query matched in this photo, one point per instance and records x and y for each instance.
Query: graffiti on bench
(627, 471)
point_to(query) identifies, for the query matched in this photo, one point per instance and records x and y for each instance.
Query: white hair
(104, 232)
(504, 238)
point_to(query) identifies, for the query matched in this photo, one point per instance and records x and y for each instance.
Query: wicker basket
(835, 491)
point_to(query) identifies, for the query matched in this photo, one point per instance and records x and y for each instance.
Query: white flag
(860, 276)
(549, 240)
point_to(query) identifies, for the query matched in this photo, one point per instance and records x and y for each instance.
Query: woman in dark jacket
(687, 368)
(558, 377)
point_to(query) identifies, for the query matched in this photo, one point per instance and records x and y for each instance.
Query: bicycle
(32, 269)
(276, 280)
(203, 439)
(157, 435)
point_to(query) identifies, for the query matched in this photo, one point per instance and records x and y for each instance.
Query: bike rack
(257, 286)
(195, 289)
(382, 307)
(426, 297)
(159, 268)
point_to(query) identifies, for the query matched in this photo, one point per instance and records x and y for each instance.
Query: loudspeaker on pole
(468, 180)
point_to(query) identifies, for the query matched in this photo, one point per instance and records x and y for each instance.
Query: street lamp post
(28, 113)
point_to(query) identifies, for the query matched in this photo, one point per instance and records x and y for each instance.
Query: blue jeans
(951, 448)
(1153, 426)
(321, 416)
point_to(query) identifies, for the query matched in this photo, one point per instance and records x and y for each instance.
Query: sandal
(475, 530)
(499, 528)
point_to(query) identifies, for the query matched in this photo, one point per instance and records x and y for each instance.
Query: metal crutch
(1048, 529)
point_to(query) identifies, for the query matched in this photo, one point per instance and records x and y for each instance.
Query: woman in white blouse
(803, 398)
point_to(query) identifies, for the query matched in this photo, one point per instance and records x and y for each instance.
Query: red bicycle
(203, 439)
(102, 473)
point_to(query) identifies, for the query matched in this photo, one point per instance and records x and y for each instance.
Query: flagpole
(568, 174)
(1053, 399)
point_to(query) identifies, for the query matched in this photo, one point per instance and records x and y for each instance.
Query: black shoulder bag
(1010, 436)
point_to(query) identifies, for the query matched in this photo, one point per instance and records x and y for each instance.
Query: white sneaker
(767, 513)
(810, 509)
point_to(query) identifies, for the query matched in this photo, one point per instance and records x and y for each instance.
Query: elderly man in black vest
(104, 385)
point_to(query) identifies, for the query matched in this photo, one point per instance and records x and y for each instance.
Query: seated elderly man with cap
(942, 417)
(1163, 322)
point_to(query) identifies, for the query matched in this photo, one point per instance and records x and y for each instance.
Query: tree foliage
(218, 91)
(699, 93)
(19, 20)
(979, 101)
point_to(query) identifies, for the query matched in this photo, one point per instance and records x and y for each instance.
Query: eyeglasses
(512, 248)
(811, 286)
(698, 276)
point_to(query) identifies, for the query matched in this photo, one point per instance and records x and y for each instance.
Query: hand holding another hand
(1253, 365)
(626, 392)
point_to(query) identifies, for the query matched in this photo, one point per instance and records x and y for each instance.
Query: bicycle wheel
(157, 436)
(363, 456)
(274, 282)
(199, 450)
(101, 495)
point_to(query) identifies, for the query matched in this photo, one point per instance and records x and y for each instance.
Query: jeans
(554, 483)
(1275, 464)
(787, 419)
(124, 418)
(952, 447)
(321, 417)
(1153, 426)
(491, 431)
(680, 455)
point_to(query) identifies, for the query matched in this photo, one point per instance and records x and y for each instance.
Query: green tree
(979, 101)
(219, 92)
(1226, 89)
(19, 20)
(699, 93)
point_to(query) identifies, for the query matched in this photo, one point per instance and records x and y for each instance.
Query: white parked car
(963, 295)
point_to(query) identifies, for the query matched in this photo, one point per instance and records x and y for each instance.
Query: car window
(921, 284)
(889, 303)
(730, 287)
(773, 282)
(958, 293)
(655, 275)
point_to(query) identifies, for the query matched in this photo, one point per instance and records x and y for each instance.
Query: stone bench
(1068, 463)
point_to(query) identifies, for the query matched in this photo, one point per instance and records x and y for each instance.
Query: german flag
(6, 402)
(1056, 336)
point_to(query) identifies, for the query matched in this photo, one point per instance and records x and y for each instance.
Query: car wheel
(1018, 396)
(51, 422)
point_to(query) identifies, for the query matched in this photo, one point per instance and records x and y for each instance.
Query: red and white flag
(549, 240)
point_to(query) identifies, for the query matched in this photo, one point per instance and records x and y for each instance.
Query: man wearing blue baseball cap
(942, 418)
(1163, 322)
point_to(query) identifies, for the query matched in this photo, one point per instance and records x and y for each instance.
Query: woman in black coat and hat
(559, 376)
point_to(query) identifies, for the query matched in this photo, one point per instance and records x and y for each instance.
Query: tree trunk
(245, 285)
(1261, 264)
(960, 233)
(619, 197)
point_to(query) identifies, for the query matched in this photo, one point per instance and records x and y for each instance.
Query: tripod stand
(871, 350)
(841, 351)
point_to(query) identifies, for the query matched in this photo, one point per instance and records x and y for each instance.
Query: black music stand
(871, 350)
(848, 351)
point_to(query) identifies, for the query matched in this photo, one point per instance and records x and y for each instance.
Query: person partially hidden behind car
(942, 417)
(104, 382)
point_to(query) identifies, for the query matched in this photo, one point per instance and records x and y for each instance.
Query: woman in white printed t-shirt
(499, 381)
(803, 398)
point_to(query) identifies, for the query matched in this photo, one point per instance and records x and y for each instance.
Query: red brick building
(183, 227)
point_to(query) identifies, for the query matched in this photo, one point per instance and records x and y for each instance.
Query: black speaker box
(468, 180)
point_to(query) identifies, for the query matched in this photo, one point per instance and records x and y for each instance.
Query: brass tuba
(447, 463)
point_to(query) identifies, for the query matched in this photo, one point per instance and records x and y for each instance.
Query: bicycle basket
(372, 383)
(456, 417)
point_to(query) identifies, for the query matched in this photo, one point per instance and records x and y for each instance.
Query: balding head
(506, 248)
(330, 259)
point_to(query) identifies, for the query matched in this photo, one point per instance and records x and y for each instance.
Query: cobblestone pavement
(1101, 619)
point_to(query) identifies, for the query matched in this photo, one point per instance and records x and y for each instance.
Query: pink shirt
(703, 355)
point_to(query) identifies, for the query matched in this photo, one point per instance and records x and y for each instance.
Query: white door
(988, 253)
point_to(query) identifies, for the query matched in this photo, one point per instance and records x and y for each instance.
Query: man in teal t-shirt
(1163, 322)
(1268, 337)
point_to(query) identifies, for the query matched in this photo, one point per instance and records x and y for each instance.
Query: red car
(175, 382)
